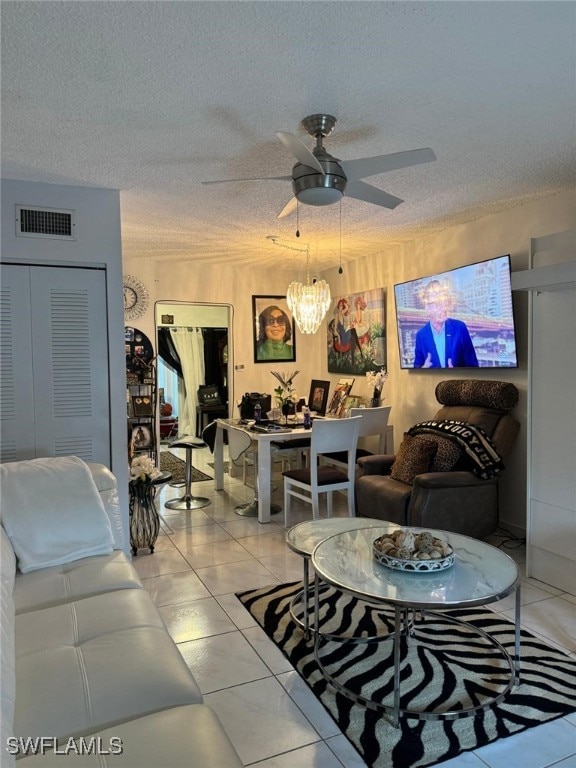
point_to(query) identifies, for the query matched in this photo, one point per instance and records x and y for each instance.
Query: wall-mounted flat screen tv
(462, 318)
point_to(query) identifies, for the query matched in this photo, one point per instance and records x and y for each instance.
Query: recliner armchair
(451, 500)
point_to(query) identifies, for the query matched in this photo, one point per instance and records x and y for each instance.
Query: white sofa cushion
(52, 512)
(74, 581)
(84, 666)
(183, 737)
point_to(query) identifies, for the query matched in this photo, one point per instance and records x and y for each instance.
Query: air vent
(57, 223)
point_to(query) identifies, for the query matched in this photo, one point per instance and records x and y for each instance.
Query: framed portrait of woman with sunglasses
(274, 330)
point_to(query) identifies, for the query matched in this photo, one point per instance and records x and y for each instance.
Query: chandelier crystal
(308, 303)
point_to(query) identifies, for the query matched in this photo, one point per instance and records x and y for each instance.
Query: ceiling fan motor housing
(312, 188)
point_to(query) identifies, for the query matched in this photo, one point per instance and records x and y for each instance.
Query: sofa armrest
(460, 479)
(454, 501)
(108, 489)
(379, 464)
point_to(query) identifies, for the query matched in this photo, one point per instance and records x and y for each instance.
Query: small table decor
(419, 552)
(376, 380)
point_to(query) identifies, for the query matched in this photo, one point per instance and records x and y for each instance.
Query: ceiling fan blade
(251, 178)
(288, 209)
(370, 166)
(362, 191)
(300, 151)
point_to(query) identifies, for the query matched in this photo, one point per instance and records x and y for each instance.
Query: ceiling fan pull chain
(297, 219)
(340, 270)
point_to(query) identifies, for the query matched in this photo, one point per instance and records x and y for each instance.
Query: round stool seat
(188, 442)
(188, 501)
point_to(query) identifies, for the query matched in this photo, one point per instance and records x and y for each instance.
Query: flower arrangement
(285, 389)
(376, 381)
(143, 470)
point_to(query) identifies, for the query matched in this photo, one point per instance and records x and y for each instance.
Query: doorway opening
(194, 343)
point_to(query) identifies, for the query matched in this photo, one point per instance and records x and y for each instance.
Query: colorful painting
(357, 332)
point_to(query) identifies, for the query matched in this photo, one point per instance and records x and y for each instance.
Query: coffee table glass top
(302, 538)
(481, 573)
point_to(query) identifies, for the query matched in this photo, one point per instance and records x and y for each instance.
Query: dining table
(264, 439)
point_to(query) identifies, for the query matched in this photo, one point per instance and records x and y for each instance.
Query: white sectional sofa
(89, 674)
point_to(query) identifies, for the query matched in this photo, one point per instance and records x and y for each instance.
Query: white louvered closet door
(17, 438)
(67, 328)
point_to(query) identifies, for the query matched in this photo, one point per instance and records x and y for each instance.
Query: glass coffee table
(302, 539)
(481, 575)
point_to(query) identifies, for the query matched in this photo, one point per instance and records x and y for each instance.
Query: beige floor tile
(223, 661)
(197, 619)
(554, 618)
(175, 588)
(205, 534)
(261, 720)
(215, 553)
(234, 577)
(273, 544)
(160, 563)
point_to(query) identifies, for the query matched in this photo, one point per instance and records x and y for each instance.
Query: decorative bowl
(420, 552)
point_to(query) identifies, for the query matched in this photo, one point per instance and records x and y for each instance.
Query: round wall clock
(135, 298)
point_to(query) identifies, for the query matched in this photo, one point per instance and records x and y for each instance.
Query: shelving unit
(141, 427)
(140, 395)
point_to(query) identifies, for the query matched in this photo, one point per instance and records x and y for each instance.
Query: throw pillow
(414, 457)
(448, 453)
(52, 512)
(500, 395)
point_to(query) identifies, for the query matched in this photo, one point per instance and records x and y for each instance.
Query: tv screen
(458, 319)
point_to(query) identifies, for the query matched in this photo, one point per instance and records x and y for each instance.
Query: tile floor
(203, 557)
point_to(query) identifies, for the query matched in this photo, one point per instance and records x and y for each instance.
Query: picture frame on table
(140, 438)
(352, 401)
(274, 330)
(338, 400)
(142, 405)
(318, 397)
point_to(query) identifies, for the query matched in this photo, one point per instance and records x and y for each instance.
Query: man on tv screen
(443, 342)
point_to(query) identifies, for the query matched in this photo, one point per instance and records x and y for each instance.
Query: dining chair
(241, 444)
(284, 458)
(331, 435)
(374, 424)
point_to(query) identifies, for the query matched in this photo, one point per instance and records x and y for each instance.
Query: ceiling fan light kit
(320, 179)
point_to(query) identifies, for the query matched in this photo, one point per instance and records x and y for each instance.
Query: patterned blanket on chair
(482, 457)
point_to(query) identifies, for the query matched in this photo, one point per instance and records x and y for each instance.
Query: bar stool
(188, 501)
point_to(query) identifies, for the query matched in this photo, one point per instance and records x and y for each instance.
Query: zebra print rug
(446, 667)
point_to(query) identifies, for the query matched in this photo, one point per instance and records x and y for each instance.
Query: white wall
(411, 393)
(98, 242)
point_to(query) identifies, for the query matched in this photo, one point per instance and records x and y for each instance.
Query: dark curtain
(212, 356)
(167, 351)
(212, 359)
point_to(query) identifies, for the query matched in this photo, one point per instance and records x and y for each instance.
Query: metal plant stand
(144, 519)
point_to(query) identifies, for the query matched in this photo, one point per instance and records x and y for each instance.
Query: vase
(144, 520)
(287, 406)
(375, 402)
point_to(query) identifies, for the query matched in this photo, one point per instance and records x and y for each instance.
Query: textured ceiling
(152, 98)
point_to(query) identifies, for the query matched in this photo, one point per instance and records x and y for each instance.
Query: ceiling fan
(318, 178)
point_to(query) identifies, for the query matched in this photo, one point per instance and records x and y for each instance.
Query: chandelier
(310, 302)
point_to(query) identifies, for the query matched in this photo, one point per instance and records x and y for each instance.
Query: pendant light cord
(305, 250)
